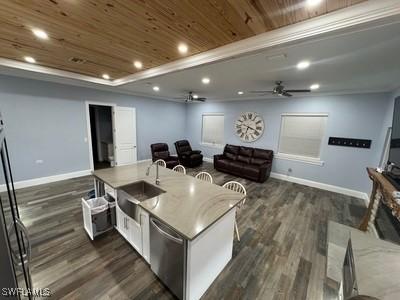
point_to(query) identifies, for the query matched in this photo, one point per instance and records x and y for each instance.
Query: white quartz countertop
(376, 262)
(189, 205)
(377, 266)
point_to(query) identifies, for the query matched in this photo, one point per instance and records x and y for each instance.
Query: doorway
(101, 134)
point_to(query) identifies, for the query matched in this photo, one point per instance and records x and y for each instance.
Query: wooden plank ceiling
(108, 35)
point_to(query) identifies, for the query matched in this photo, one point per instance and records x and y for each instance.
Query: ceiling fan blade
(202, 99)
(285, 93)
(298, 91)
(261, 92)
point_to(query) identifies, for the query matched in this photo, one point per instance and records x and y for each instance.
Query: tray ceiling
(107, 36)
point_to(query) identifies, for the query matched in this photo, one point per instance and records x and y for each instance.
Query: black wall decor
(357, 143)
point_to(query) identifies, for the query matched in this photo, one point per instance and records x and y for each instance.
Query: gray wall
(47, 121)
(357, 116)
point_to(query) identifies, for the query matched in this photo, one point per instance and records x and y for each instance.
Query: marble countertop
(377, 266)
(189, 205)
(376, 262)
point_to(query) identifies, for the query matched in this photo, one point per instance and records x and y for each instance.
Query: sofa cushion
(263, 154)
(159, 147)
(196, 156)
(257, 161)
(251, 170)
(223, 163)
(182, 146)
(171, 163)
(243, 159)
(230, 156)
(231, 149)
(245, 151)
(185, 149)
(162, 154)
(236, 166)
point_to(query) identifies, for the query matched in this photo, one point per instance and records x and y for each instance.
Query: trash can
(111, 212)
(98, 215)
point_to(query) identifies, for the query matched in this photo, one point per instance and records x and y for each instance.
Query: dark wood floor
(282, 254)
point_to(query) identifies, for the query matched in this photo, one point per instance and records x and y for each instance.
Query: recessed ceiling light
(314, 86)
(106, 76)
(313, 2)
(156, 88)
(30, 59)
(240, 93)
(41, 34)
(183, 48)
(205, 80)
(138, 64)
(303, 65)
(195, 96)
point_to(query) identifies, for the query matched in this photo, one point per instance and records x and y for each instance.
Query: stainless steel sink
(129, 196)
(142, 190)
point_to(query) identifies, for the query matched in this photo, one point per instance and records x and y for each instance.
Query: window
(213, 129)
(301, 137)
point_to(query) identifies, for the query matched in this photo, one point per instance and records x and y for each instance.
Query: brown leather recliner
(251, 163)
(187, 156)
(161, 151)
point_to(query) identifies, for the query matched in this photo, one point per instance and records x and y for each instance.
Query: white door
(125, 135)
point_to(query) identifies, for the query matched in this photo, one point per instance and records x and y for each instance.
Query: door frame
(88, 126)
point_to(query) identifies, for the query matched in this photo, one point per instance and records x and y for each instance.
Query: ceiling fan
(191, 97)
(280, 90)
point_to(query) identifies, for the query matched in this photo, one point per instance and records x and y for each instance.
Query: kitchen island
(187, 218)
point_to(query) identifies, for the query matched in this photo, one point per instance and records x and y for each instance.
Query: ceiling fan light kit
(191, 97)
(280, 90)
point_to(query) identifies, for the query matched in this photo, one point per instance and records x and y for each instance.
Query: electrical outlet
(85, 140)
(39, 161)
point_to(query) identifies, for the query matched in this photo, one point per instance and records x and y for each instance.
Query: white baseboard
(48, 179)
(144, 160)
(207, 159)
(53, 178)
(319, 185)
(323, 186)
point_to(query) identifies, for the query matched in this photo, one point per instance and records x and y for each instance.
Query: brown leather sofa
(161, 151)
(188, 157)
(251, 163)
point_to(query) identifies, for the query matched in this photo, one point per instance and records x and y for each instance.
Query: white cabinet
(109, 190)
(135, 235)
(144, 224)
(129, 229)
(121, 222)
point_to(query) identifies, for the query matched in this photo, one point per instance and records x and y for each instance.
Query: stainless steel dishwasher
(168, 256)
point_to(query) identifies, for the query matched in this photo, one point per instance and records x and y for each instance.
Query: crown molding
(10, 63)
(384, 11)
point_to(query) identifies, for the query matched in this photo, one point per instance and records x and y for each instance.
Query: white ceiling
(365, 61)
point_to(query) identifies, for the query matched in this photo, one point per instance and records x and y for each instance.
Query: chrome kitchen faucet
(148, 172)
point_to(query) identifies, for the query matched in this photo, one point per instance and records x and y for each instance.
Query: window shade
(301, 135)
(213, 129)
